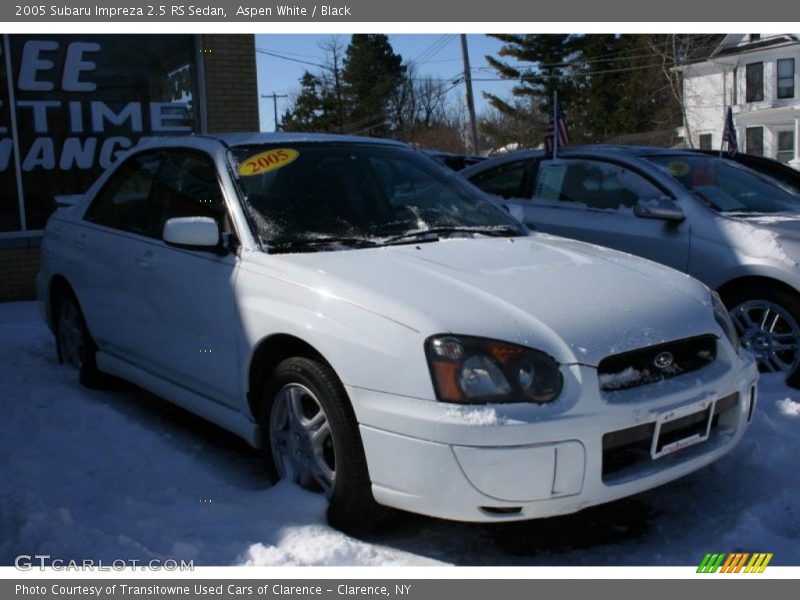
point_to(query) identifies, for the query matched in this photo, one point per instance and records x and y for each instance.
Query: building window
(785, 146)
(735, 93)
(754, 140)
(754, 37)
(786, 78)
(754, 81)
(705, 141)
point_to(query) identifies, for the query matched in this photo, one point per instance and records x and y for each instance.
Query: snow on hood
(770, 237)
(575, 301)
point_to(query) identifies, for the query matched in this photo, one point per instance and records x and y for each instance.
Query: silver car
(728, 226)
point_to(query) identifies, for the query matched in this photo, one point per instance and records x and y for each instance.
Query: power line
(289, 58)
(300, 54)
(437, 46)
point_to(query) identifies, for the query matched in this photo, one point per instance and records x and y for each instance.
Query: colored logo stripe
(734, 562)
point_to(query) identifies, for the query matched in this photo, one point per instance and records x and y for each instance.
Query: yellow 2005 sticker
(678, 168)
(264, 162)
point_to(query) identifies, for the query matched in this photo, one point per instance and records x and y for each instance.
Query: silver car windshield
(727, 186)
(358, 192)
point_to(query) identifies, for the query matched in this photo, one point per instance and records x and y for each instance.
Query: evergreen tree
(611, 86)
(372, 72)
(540, 65)
(311, 110)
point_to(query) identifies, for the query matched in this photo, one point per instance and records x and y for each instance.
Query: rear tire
(74, 343)
(768, 321)
(317, 444)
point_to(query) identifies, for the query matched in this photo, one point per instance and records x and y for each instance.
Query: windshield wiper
(318, 244)
(433, 234)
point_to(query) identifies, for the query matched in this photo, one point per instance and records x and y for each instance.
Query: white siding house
(759, 76)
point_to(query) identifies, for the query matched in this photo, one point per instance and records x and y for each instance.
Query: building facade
(70, 105)
(759, 77)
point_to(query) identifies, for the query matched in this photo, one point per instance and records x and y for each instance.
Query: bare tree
(334, 50)
(675, 51)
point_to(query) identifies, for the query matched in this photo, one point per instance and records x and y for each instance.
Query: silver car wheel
(302, 440)
(70, 335)
(768, 331)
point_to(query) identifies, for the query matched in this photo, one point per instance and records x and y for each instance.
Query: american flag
(729, 144)
(557, 133)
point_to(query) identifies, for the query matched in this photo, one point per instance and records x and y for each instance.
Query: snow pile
(788, 407)
(121, 474)
(756, 242)
(320, 545)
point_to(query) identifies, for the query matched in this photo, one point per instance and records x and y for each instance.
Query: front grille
(628, 448)
(641, 367)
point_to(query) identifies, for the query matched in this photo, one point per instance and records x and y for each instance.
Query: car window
(506, 180)
(592, 183)
(124, 202)
(187, 186)
(727, 186)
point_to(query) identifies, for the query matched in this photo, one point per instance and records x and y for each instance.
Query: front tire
(768, 322)
(74, 343)
(312, 439)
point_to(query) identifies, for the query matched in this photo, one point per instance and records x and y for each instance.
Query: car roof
(234, 139)
(589, 149)
(255, 138)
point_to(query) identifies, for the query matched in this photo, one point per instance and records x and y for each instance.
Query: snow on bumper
(521, 462)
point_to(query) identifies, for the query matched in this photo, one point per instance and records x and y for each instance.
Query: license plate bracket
(682, 427)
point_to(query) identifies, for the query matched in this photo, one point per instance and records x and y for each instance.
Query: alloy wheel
(70, 335)
(768, 331)
(302, 439)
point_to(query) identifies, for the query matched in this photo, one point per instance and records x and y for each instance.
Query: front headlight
(723, 319)
(471, 370)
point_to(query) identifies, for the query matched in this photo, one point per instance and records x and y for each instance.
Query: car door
(592, 200)
(190, 322)
(115, 226)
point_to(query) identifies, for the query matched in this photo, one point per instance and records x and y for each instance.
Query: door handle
(145, 260)
(80, 241)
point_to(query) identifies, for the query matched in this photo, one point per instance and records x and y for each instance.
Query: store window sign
(93, 117)
(71, 105)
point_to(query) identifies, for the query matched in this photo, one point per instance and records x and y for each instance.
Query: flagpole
(555, 125)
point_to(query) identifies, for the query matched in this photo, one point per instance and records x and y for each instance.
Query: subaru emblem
(663, 360)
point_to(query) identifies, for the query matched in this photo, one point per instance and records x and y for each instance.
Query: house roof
(740, 43)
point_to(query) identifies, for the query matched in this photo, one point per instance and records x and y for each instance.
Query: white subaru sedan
(386, 334)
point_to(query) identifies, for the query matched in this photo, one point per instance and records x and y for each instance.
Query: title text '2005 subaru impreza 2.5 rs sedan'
(388, 335)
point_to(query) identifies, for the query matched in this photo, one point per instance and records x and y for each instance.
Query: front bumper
(515, 462)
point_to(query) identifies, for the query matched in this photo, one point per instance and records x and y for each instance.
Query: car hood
(783, 224)
(769, 237)
(575, 301)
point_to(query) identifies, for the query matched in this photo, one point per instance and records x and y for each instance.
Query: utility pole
(275, 97)
(470, 98)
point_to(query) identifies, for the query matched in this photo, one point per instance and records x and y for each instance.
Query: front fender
(365, 349)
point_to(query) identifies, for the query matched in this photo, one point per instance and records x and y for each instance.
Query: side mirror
(663, 208)
(193, 233)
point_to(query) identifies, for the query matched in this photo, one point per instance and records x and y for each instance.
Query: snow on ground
(123, 474)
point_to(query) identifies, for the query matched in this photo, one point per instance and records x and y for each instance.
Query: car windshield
(728, 187)
(302, 195)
